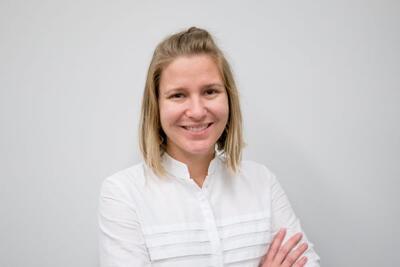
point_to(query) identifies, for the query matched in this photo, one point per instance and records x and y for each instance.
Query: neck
(197, 164)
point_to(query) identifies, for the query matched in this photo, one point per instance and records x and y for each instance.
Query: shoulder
(125, 181)
(256, 172)
(249, 166)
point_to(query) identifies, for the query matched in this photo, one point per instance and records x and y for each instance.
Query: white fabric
(146, 220)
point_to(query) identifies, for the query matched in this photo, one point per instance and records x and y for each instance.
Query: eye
(176, 96)
(211, 92)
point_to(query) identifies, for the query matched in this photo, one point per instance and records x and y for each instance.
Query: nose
(196, 109)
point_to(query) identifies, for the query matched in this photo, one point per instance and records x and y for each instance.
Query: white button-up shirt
(146, 220)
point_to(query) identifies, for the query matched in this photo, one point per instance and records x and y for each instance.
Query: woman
(193, 202)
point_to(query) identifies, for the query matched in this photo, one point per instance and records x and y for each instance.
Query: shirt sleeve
(283, 216)
(121, 241)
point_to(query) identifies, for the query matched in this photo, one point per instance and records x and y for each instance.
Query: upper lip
(197, 125)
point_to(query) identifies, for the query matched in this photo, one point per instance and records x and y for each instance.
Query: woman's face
(193, 105)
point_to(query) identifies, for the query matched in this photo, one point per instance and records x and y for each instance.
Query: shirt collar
(180, 170)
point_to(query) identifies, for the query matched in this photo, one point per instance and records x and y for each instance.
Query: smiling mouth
(197, 128)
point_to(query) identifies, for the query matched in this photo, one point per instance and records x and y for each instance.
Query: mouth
(197, 128)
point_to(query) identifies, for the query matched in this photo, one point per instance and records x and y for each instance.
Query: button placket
(211, 227)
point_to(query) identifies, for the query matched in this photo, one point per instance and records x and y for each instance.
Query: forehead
(190, 71)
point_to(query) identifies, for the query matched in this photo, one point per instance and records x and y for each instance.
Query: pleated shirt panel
(229, 221)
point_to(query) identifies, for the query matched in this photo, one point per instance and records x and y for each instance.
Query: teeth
(196, 128)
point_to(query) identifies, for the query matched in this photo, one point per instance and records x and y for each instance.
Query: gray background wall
(319, 82)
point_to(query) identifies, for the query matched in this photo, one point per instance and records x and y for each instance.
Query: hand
(285, 255)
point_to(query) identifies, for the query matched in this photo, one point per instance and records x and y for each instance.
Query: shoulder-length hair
(152, 139)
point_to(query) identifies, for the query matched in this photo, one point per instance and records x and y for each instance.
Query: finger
(294, 255)
(287, 248)
(274, 247)
(301, 262)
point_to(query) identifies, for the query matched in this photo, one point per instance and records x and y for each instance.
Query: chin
(200, 150)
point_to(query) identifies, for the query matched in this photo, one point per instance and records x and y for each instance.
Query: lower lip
(198, 133)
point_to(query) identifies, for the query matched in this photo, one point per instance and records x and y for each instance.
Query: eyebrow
(178, 89)
(213, 85)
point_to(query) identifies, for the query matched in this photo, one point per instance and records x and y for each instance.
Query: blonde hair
(152, 138)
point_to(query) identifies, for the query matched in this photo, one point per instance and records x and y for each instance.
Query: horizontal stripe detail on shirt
(187, 236)
(179, 250)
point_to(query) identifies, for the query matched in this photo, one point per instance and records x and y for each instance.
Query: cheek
(163, 115)
(223, 110)
(168, 115)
